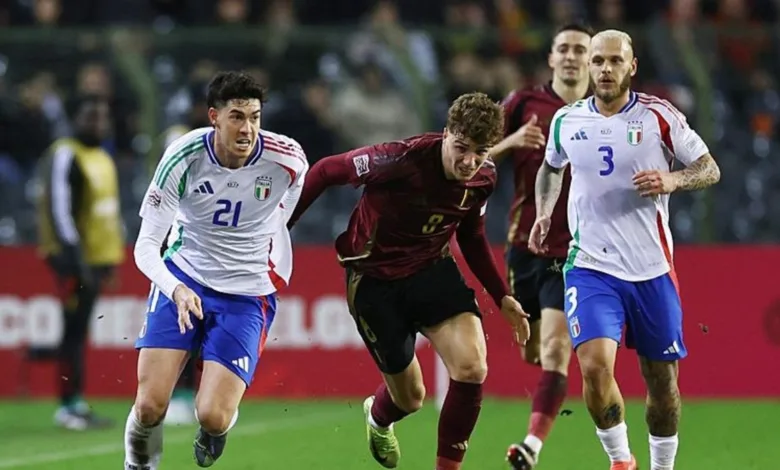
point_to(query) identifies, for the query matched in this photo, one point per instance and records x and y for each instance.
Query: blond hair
(616, 34)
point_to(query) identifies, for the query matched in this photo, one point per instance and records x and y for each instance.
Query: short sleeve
(555, 154)
(681, 140)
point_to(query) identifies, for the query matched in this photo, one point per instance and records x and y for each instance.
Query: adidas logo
(673, 349)
(242, 363)
(461, 446)
(204, 188)
(580, 135)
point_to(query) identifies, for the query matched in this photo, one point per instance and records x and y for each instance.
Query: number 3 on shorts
(571, 298)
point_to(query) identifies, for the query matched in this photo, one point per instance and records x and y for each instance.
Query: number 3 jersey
(228, 225)
(614, 229)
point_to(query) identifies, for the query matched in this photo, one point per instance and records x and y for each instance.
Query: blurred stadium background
(345, 73)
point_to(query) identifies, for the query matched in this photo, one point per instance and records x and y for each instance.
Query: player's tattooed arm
(549, 182)
(700, 174)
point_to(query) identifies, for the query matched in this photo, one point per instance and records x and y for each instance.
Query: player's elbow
(715, 171)
(143, 251)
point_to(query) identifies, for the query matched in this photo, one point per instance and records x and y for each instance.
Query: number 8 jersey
(229, 229)
(614, 229)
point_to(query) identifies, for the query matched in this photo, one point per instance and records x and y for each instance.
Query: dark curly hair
(226, 86)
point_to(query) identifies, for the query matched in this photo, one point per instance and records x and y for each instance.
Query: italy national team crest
(574, 327)
(634, 132)
(262, 187)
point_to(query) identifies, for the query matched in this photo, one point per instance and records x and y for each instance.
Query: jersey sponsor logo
(232, 184)
(262, 187)
(634, 132)
(361, 164)
(154, 199)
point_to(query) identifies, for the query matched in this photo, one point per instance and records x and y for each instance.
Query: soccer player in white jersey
(619, 272)
(229, 190)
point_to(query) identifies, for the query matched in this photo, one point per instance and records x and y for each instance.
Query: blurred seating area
(347, 73)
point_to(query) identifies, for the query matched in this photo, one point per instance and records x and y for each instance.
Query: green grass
(330, 436)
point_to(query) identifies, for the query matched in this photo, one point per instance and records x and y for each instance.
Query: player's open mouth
(243, 144)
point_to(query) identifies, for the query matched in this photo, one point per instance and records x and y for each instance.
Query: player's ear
(634, 64)
(213, 116)
(550, 60)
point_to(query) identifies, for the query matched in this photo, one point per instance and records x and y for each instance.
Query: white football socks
(143, 445)
(663, 451)
(615, 442)
(533, 443)
(232, 423)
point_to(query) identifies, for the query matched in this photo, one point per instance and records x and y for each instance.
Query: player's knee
(471, 370)
(150, 410)
(597, 375)
(556, 351)
(214, 420)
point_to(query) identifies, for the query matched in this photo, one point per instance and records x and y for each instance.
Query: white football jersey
(229, 225)
(614, 229)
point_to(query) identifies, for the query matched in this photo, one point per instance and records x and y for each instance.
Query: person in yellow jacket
(81, 238)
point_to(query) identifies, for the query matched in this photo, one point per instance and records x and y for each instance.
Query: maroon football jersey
(519, 106)
(409, 210)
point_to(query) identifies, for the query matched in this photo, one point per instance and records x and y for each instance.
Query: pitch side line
(105, 449)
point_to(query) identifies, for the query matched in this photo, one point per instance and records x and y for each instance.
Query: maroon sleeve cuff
(330, 171)
(479, 256)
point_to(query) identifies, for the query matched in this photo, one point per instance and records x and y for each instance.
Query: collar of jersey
(632, 99)
(208, 140)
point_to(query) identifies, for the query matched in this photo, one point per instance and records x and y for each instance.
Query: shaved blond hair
(615, 34)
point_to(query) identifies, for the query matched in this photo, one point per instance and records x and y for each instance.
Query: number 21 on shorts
(607, 155)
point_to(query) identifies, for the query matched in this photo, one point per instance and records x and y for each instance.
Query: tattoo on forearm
(664, 405)
(549, 181)
(610, 417)
(702, 173)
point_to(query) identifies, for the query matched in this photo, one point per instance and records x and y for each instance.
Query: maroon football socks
(384, 411)
(456, 422)
(547, 402)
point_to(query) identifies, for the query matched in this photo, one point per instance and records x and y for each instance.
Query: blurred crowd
(347, 73)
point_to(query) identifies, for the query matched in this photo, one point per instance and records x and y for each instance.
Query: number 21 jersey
(228, 224)
(614, 229)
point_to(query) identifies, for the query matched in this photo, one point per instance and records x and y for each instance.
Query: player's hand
(529, 135)
(653, 182)
(517, 318)
(187, 302)
(538, 235)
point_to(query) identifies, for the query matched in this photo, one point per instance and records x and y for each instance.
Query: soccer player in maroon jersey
(537, 281)
(402, 278)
